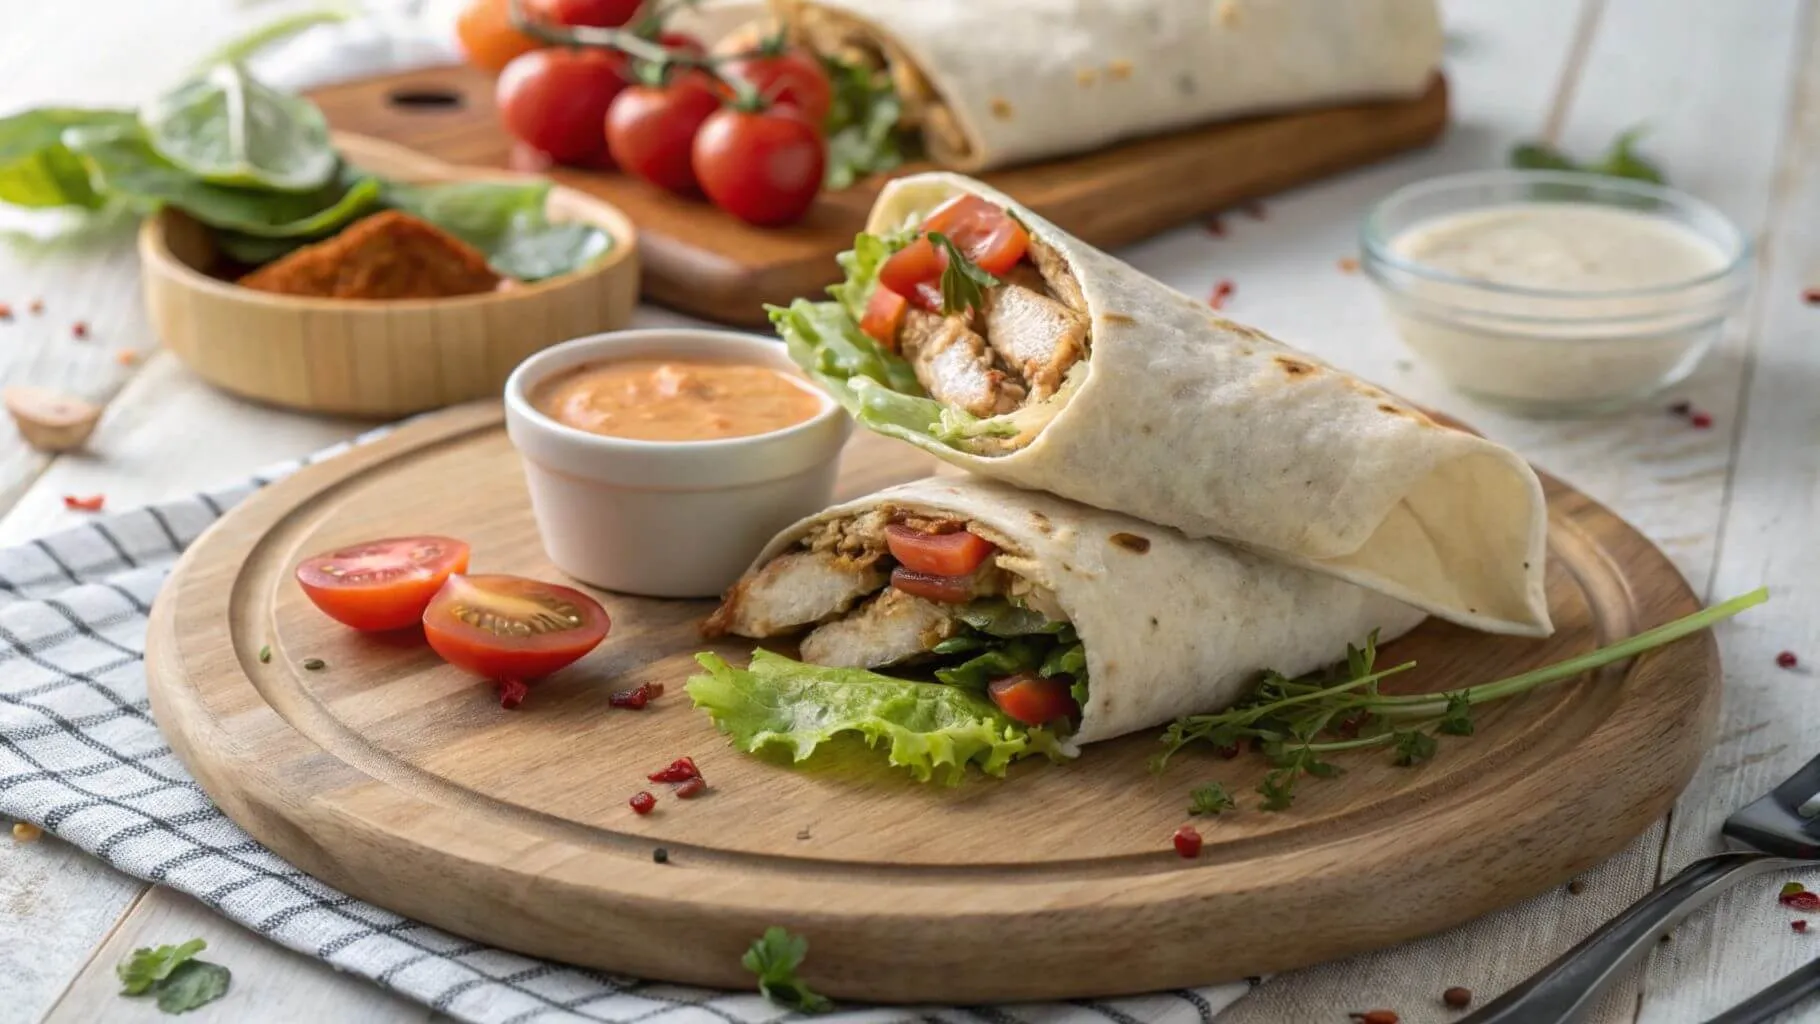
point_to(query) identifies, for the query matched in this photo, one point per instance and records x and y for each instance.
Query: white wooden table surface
(1732, 92)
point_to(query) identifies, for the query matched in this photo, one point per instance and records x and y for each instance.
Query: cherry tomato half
(598, 13)
(509, 627)
(930, 587)
(957, 553)
(884, 317)
(914, 272)
(1032, 699)
(988, 235)
(488, 40)
(650, 129)
(763, 167)
(382, 584)
(792, 78)
(555, 101)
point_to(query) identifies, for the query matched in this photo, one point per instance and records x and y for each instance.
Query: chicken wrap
(994, 83)
(981, 333)
(1043, 624)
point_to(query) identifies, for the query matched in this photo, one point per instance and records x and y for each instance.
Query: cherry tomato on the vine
(788, 78)
(554, 101)
(763, 167)
(488, 40)
(650, 128)
(598, 13)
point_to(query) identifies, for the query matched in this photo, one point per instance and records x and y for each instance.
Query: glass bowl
(1553, 350)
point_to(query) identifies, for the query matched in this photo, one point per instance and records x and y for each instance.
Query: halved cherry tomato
(988, 235)
(914, 272)
(487, 36)
(938, 554)
(788, 78)
(884, 316)
(930, 587)
(1032, 699)
(382, 584)
(509, 627)
(650, 129)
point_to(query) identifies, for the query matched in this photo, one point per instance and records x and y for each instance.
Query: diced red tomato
(509, 627)
(958, 553)
(1032, 699)
(382, 584)
(915, 272)
(944, 589)
(988, 235)
(884, 317)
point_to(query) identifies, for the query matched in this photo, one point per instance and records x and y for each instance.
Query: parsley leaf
(1457, 719)
(774, 957)
(1621, 159)
(862, 127)
(147, 966)
(964, 284)
(1413, 747)
(194, 983)
(1210, 799)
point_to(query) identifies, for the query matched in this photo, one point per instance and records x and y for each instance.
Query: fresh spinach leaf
(193, 984)
(227, 128)
(506, 222)
(36, 168)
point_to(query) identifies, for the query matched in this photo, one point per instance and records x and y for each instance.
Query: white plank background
(1732, 93)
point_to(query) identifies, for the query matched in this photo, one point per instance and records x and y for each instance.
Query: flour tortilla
(1171, 626)
(1018, 80)
(1187, 419)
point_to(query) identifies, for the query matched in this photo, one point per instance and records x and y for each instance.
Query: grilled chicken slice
(891, 628)
(796, 589)
(954, 365)
(1038, 336)
(1056, 273)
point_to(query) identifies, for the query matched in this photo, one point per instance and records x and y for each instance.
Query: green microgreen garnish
(1621, 160)
(1295, 723)
(1210, 799)
(774, 957)
(964, 284)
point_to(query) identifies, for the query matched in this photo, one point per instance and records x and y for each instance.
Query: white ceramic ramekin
(667, 518)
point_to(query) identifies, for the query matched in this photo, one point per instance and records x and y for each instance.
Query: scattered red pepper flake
(642, 802)
(1187, 842)
(127, 357)
(1787, 659)
(92, 503)
(1221, 292)
(1348, 265)
(37, 306)
(6, 311)
(633, 699)
(79, 329)
(1254, 209)
(1800, 926)
(689, 789)
(1375, 1017)
(1804, 901)
(680, 770)
(1459, 997)
(1811, 296)
(1215, 226)
(1701, 420)
(511, 692)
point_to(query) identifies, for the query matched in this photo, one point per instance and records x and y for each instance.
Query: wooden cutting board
(400, 780)
(701, 261)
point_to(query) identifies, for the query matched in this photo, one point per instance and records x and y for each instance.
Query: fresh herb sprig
(1621, 160)
(964, 284)
(1210, 799)
(173, 975)
(1296, 723)
(774, 957)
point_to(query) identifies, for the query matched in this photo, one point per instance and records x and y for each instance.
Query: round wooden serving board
(400, 780)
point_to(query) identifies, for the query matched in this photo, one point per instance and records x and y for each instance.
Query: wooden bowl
(377, 358)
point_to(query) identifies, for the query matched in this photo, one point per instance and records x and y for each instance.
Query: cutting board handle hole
(425, 98)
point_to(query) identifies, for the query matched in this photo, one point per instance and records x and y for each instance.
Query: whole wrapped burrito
(982, 333)
(1102, 624)
(996, 82)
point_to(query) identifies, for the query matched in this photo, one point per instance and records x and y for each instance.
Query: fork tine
(1800, 792)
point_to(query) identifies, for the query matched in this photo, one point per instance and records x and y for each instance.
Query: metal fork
(1776, 832)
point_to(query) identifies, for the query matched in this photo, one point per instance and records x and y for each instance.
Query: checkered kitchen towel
(81, 756)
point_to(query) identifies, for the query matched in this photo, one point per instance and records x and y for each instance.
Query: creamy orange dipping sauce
(675, 399)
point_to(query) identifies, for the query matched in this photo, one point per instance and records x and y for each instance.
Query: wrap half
(1073, 373)
(1128, 624)
(996, 82)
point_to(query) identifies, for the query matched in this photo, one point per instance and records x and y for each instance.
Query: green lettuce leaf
(1000, 617)
(862, 125)
(932, 730)
(1003, 658)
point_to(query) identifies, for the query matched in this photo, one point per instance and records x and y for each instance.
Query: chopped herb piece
(1621, 159)
(1413, 746)
(774, 957)
(265, 654)
(1210, 799)
(148, 966)
(192, 984)
(964, 284)
(1457, 719)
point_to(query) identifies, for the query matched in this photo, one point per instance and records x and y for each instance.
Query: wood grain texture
(378, 359)
(701, 261)
(399, 779)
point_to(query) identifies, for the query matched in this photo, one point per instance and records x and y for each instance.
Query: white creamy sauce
(1577, 344)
